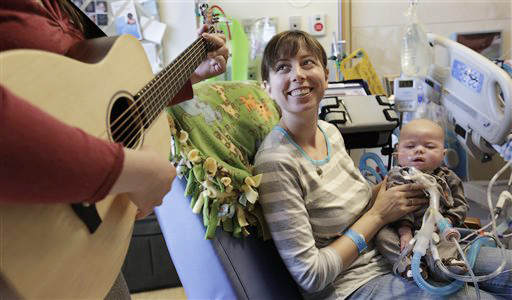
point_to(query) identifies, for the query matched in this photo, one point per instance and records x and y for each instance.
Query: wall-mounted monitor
(488, 42)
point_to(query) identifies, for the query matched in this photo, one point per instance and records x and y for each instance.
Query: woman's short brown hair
(287, 44)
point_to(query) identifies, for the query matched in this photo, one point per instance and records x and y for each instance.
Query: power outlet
(295, 23)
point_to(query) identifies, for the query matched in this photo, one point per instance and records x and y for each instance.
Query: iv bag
(416, 55)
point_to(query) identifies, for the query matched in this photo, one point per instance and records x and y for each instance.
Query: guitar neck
(168, 82)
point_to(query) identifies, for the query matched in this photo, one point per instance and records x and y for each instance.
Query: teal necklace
(315, 163)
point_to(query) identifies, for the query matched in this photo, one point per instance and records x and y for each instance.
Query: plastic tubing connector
(424, 235)
(447, 230)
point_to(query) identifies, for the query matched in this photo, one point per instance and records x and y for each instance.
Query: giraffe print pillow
(215, 137)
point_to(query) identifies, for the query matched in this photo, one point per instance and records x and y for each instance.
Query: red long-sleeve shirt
(41, 158)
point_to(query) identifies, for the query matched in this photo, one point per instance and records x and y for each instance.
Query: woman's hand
(391, 204)
(215, 62)
(146, 178)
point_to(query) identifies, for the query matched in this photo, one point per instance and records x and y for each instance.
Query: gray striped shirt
(306, 212)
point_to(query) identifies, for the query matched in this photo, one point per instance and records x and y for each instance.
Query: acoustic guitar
(106, 88)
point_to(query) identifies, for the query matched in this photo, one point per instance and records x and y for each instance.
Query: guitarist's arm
(44, 160)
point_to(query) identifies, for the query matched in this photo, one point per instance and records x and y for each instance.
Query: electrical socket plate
(295, 23)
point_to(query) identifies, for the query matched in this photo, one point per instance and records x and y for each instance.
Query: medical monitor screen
(405, 83)
(487, 43)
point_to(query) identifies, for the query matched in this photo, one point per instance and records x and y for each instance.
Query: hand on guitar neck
(215, 63)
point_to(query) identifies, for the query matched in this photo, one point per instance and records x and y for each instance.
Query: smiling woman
(320, 211)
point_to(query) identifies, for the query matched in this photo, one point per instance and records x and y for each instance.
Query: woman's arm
(47, 161)
(44, 160)
(389, 205)
(280, 195)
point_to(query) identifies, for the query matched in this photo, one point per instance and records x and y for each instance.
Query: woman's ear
(266, 86)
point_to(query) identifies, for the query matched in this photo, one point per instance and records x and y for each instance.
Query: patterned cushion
(215, 137)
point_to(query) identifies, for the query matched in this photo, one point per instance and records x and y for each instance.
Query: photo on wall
(96, 10)
(125, 18)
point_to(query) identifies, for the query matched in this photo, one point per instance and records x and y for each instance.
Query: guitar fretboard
(168, 82)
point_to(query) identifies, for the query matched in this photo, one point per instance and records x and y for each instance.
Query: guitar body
(46, 251)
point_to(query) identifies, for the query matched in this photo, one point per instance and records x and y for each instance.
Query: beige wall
(283, 10)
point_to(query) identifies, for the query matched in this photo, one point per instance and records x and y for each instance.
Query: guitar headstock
(209, 18)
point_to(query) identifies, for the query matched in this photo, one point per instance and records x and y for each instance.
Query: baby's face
(421, 147)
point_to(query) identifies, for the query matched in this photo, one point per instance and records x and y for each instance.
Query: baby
(421, 145)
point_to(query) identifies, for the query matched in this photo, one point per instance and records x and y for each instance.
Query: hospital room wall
(178, 15)
(377, 26)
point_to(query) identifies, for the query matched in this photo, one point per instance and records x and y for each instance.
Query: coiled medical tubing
(424, 237)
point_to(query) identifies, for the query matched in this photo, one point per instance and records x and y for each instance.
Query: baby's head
(421, 145)
(286, 45)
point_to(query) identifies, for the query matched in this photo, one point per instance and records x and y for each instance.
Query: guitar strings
(168, 89)
(152, 83)
(197, 45)
(149, 109)
(153, 108)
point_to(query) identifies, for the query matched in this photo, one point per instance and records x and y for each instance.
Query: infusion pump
(406, 94)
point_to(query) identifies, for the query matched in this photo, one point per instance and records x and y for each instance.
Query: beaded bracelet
(357, 238)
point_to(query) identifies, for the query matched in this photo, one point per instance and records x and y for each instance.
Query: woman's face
(298, 83)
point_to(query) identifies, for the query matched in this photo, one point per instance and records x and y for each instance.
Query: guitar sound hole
(126, 124)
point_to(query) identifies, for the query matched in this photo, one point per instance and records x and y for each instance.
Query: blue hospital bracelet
(357, 238)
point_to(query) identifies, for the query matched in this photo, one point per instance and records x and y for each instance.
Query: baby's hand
(405, 234)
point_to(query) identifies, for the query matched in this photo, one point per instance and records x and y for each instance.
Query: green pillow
(215, 137)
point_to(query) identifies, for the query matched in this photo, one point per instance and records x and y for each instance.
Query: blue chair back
(224, 267)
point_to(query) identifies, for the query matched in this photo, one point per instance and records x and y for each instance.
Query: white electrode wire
(478, 278)
(468, 265)
(489, 198)
(510, 182)
(476, 232)
(402, 256)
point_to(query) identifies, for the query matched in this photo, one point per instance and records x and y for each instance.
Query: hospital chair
(224, 267)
